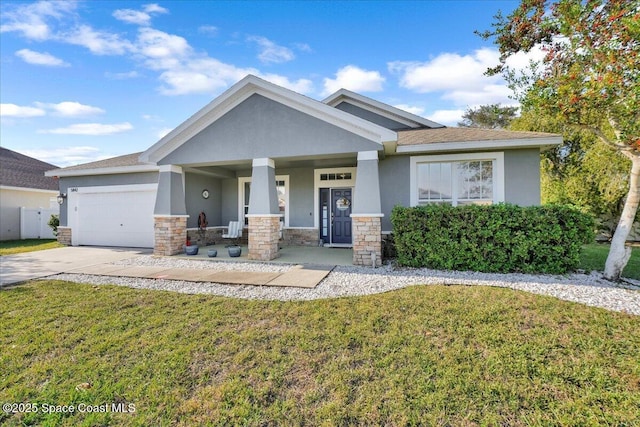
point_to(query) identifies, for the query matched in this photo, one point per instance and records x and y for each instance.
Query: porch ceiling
(229, 169)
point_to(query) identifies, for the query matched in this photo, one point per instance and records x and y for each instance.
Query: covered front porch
(282, 205)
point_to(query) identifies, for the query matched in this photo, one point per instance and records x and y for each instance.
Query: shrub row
(496, 238)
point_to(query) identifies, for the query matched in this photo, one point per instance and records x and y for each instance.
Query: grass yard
(438, 355)
(12, 247)
(594, 256)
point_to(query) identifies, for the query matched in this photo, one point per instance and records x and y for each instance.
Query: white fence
(34, 223)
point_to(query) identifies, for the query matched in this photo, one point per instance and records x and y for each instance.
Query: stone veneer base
(264, 233)
(367, 239)
(170, 234)
(64, 235)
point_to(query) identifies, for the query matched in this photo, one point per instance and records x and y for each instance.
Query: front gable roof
(252, 85)
(410, 120)
(18, 170)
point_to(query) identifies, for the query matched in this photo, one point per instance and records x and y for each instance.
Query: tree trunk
(619, 253)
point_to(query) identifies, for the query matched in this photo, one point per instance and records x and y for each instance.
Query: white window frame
(498, 171)
(243, 180)
(336, 183)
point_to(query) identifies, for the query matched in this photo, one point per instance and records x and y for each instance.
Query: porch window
(457, 179)
(282, 188)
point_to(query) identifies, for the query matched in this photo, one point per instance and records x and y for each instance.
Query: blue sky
(86, 80)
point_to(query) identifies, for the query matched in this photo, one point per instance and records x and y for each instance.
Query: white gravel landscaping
(590, 289)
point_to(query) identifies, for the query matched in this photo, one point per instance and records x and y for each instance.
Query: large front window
(456, 182)
(457, 179)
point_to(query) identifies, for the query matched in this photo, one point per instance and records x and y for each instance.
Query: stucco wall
(10, 203)
(394, 186)
(194, 184)
(522, 177)
(102, 180)
(370, 116)
(260, 127)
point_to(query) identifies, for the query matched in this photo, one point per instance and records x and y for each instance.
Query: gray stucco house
(293, 170)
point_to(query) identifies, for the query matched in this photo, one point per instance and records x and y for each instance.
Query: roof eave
(115, 170)
(394, 113)
(541, 143)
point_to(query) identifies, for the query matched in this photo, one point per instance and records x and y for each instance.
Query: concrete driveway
(34, 265)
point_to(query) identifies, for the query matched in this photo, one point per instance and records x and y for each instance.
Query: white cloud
(209, 30)
(67, 156)
(90, 129)
(122, 76)
(460, 78)
(70, 109)
(131, 16)
(411, 109)
(98, 42)
(270, 52)
(303, 47)
(447, 71)
(138, 17)
(355, 79)
(304, 86)
(446, 117)
(161, 49)
(31, 19)
(40, 58)
(154, 8)
(13, 110)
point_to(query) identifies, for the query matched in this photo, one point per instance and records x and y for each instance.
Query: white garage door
(118, 215)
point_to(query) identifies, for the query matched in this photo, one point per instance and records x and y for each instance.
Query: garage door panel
(116, 218)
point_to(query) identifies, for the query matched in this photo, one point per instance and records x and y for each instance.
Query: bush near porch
(498, 238)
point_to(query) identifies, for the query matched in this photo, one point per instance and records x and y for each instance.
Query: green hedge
(496, 238)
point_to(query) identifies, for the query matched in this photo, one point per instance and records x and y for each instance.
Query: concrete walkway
(300, 276)
(35, 265)
(100, 261)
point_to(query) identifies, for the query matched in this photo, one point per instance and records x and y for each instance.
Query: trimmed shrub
(54, 223)
(495, 238)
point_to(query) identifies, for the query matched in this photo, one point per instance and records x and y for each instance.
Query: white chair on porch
(234, 232)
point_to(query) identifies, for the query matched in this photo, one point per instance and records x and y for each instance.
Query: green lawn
(437, 355)
(594, 256)
(12, 247)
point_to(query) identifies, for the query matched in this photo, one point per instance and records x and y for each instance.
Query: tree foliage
(589, 78)
(492, 116)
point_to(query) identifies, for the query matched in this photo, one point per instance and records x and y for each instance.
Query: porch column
(366, 212)
(170, 212)
(264, 213)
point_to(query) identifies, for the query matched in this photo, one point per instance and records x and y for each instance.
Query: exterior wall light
(61, 198)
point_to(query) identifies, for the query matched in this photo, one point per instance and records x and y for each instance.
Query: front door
(341, 216)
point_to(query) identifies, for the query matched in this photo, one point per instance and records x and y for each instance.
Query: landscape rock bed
(344, 281)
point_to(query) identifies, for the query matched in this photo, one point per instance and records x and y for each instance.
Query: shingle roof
(18, 170)
(440, 135)
(113, 162)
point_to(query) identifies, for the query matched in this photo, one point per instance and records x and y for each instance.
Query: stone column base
(367, 239)
(64, 235)
(264, 233)
(170, 234)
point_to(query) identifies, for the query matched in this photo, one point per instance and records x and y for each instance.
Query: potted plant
(190, 249)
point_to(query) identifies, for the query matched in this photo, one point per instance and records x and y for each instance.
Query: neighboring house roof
(249, 86)
(18, 170)
(380, 108)
(471, 139)
(129, 163)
